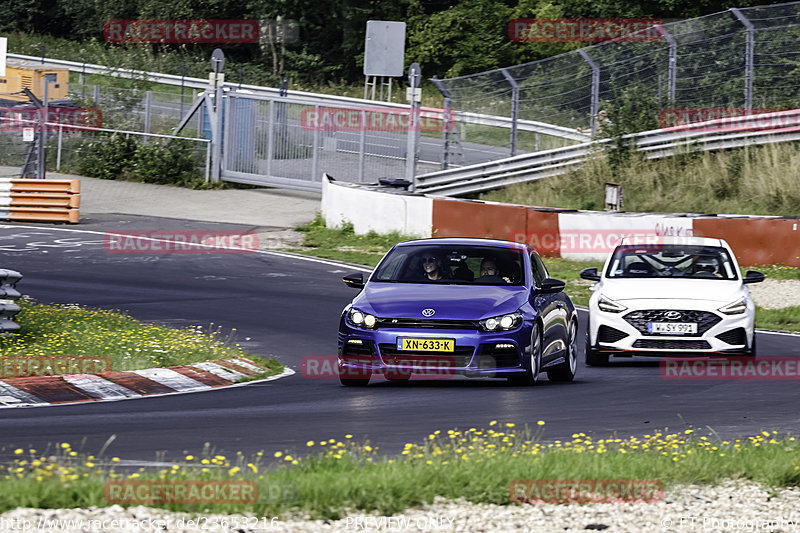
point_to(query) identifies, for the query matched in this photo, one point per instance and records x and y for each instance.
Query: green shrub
(116, 156)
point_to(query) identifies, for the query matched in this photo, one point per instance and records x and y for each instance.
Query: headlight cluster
(502, 322)
(609, 306)
(358, 318)
(734, 308)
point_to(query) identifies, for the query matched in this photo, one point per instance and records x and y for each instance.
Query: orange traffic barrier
(40, 200)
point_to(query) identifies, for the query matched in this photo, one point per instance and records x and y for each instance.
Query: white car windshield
(671, 260)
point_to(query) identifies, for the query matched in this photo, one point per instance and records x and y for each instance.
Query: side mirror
(356, 281)
(753, 276)
(551, 285)
(590, 274)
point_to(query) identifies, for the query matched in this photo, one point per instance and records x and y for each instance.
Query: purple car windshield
(459, 264)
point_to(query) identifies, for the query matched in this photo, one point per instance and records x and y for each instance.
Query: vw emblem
(428, 312)
(672, 315)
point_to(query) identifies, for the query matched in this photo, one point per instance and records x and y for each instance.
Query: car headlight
(609, 306)
(358, 318)
(734, 308)
(502, 322)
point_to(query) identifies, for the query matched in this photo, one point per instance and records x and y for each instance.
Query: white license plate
(675, 328)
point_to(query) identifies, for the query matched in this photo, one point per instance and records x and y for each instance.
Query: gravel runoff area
(729, 507)
(776, 293)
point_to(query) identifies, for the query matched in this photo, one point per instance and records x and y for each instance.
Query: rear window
(668, 260)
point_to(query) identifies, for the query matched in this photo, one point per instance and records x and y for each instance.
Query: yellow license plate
(426, 345)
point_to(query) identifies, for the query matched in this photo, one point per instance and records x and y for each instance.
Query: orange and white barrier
(40, 200)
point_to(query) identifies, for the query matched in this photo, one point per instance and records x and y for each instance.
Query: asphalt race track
(289, 308)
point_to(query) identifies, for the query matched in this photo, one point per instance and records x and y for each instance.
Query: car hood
(720, 291)
(453, 302)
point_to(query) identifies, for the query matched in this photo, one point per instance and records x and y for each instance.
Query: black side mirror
(753, 276)
(590, 274)
(551, 285)
(356, 281)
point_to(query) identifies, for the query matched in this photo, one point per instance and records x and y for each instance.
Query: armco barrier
(755, 240)
(9, 293)
(40, 200)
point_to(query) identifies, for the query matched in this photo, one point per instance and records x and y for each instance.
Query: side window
(539, 271)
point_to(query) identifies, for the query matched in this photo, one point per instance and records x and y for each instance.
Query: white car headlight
(609, 306)
(502, 322)
(360, 319)
(734, 308)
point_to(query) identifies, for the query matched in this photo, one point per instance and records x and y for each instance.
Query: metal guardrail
(8, 295)
(315, 98)
(719, 134)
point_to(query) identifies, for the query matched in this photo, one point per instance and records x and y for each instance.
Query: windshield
(473, 265)
(671, 260)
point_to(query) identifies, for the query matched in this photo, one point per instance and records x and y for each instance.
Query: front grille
(492, 357)
(659, 344)
(705, 320)
(609, 335)
(734, 336)
(461, 357)
(426, 323)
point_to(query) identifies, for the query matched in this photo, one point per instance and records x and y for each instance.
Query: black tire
(593, 357)
(534, 362)
(565, 371)
(753, 350)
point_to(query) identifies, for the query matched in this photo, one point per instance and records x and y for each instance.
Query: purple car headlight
(360, 319)
(502, 322)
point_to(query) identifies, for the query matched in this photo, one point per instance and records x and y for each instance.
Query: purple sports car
(475, 307)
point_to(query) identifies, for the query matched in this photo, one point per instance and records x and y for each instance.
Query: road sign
(217, 61)
(414, 74)
(385, 48)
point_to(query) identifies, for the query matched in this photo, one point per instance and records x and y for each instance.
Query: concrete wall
(580, 235)
(373, 210)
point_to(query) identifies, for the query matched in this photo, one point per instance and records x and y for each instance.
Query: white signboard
(385, 48)
(3, 49)
(27, 135)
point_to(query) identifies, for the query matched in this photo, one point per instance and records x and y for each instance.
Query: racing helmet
(707, 264)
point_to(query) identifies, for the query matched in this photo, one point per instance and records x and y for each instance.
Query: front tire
(593, 357)
(534, 362)
(565, 372)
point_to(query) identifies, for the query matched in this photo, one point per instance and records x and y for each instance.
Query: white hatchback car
(670, 296)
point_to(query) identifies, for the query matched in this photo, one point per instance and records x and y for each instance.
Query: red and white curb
(38, 391)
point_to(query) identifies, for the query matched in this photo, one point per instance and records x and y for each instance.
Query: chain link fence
(741, 58)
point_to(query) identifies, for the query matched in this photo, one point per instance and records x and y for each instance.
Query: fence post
(748, 59)
(148, 103)
(271, 137)
(58, 152)
(514, 109)
(595, 89)
(672, 67)
(448, 109)
(362, 146)
(315, 150)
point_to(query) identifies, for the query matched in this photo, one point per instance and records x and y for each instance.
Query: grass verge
(342, 475)
(72, 330)
(343, 244)
(756, 180)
